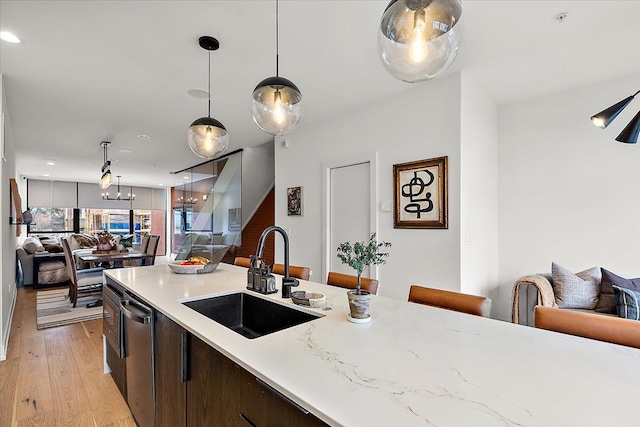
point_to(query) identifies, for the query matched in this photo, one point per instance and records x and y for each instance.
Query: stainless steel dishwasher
(138, 349)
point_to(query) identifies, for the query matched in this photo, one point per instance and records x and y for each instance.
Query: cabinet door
(221, 393)
(212, 397)
(170, 375)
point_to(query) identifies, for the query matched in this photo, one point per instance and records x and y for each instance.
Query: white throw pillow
(578, 290)
(73, 243)
(32, 245)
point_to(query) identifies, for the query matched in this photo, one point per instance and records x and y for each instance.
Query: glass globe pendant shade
(419, 39)
(106, 180)
(207, 137)
(276, 106)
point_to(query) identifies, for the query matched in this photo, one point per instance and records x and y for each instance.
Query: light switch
(385, 206)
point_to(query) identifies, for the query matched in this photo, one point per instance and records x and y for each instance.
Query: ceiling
(90, 71)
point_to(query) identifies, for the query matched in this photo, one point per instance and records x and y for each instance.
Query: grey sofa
(527, 294)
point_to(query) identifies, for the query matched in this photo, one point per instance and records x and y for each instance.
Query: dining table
(114, 259)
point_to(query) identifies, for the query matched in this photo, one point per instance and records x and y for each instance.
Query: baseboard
(5, 334)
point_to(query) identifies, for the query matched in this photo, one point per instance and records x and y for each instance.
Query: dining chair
(82, 282)
(296, 271)
(242, 262)
(588, 325)
(144, 244)
(152, 248)
(455, 301)
(350, 282)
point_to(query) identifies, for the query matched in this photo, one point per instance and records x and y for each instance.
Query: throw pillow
(83, 240)
(607, 298)
(627, 303)
(52, 247)
(578, 290)
(32, 245)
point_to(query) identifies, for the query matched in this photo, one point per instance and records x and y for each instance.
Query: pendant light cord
(636, 93)
(277, 40)
(209, 88)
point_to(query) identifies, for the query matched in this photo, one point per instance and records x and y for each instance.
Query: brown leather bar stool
(242, 262)
(298, 272)
(463, 303)
(595, 326)
(350, 282)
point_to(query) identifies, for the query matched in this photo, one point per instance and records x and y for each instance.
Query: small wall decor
(234, 219)
(420, 199)
(294, 201)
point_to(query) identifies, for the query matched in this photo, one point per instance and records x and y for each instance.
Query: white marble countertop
(412, 365)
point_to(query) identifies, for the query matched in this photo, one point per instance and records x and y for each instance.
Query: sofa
(595, 290)
(51, 268)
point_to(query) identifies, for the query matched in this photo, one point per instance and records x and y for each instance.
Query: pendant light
(130, 196)
(207, 137)
(630, 133)
(106, 179)
(276, 106)
(419, 39)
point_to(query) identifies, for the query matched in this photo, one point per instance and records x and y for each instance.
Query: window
(54, 220)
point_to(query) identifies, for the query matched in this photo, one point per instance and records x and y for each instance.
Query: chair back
(463, 303)
(242, 262)
(298, 272)
(595, 326)
(152, 247)
(302, 273)
(68, 257)
(350, 282)
(145, 243)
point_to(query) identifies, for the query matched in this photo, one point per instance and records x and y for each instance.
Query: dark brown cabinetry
(221, 393)
(195, 385)
(170, 372)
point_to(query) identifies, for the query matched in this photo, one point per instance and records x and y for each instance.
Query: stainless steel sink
(248, 315)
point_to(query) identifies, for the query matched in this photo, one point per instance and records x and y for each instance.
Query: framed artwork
(235, 215)
(294, 201)
(420, 197)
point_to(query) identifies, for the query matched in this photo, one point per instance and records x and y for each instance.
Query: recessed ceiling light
(50, 162)
(125, 151)
(45, 174)
(185, 177)
(9, 37)
(143, 136)
(160, 185)
(198, 93)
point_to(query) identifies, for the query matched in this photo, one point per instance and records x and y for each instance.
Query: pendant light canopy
(419, 39)
(207, 137)
(276, 106)
(630, 133)
(107, 178)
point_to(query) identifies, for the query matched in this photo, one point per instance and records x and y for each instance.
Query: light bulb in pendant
(418, 50)
(279, 115)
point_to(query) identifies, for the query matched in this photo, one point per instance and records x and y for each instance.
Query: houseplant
(359, 256)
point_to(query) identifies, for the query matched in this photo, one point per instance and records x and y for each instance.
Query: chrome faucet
(287, 282)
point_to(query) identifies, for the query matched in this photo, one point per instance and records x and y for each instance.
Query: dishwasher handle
(140, 314)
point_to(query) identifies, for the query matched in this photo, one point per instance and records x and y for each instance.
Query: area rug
(53, 308)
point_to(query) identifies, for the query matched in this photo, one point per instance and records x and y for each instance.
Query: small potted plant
(359, 256)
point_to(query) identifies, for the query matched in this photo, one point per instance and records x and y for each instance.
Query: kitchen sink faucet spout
(287, 282)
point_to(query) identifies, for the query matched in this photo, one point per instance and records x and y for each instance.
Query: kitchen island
(412, 365)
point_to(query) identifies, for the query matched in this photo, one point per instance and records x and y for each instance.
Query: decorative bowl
(185, 269)
(308, 299)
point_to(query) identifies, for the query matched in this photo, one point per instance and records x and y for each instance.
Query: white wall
(568, 192)
(478, 191)
(7, 233)
(257, 178)
(421, 123)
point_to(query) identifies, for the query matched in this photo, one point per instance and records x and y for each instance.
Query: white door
(349, 201)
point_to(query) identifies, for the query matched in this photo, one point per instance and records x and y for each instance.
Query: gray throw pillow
(578, 290)
(607, 299)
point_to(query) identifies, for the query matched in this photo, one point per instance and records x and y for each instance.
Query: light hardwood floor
(54, 377)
